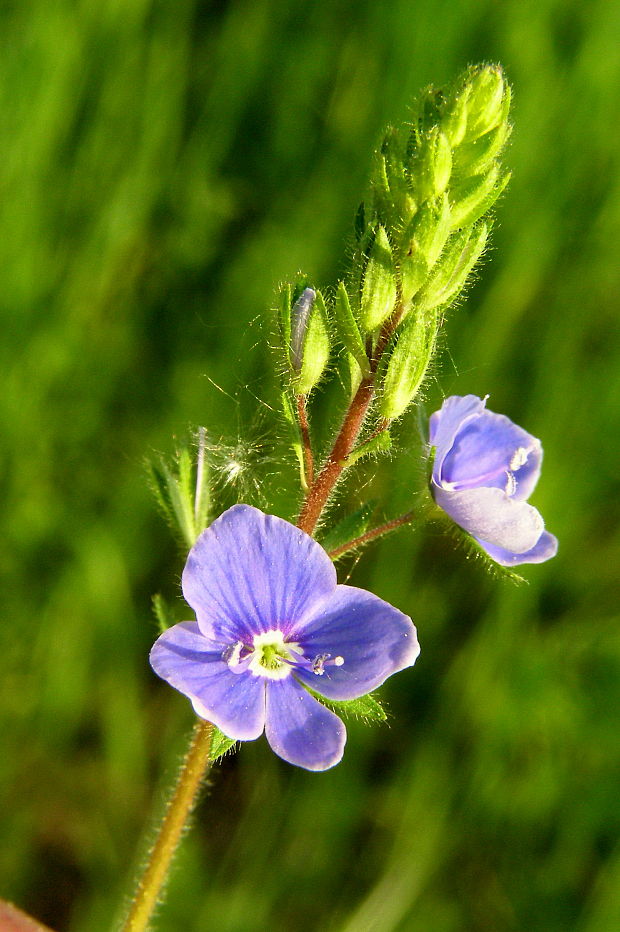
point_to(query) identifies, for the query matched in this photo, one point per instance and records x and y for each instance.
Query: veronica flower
(484, 470)
(270, 622)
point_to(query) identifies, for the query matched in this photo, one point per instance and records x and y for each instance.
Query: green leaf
(348, 330)
(379, 444)
(350, 527)
(367, 708)
(174, 492)
(220, 744)
(163, 613)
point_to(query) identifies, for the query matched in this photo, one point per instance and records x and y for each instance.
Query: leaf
(354, 525)
(163, 613)
(367, 708)
(220, 744)
(379, 444)
(348, 329)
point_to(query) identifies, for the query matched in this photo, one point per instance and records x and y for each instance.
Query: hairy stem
(371, 535)
(321, 489)
(185, 794)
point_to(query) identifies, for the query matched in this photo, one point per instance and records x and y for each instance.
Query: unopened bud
(300, 316)
(488, 100)
(422, 243)
(379, 284)
(431, 166)
(310, 343)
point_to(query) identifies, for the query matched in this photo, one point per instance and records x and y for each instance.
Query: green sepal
(163, 613)
(422, 244)
(406, 366)
(379, 444)
(174, 491)
(450, 275)
(350, 527)
(294, 435)
(367, 708)
(488, 100)
(348, 330)
(431, 165)
(316, 348)
(284, 315)
(379, 283)
(474, 158)
(470, 197)
(220, 744)
(476, 198)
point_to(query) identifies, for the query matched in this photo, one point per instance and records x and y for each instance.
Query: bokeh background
(164, 165)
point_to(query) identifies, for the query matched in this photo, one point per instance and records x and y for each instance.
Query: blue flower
(271, 621)
(484, 470)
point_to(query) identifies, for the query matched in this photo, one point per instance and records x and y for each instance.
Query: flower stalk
(373, 534)
(191, 776)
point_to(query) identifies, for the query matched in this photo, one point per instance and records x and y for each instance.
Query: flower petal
(445, 424)
(299, 729)
(373, 638)
(193, 664)
(491, 451)
(490, 515)
(545, 548)
(250, 572)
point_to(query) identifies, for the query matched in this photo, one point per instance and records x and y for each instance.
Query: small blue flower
(484, 470)
(270, 621)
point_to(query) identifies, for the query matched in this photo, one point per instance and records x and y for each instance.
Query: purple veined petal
(545, 548)
(193, 664)
(372, 637)
(445, 424)
(299, 729)
(490, 515)
(489, 451)
(250, 572)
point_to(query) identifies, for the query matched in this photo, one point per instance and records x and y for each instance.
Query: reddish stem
(371, 535)
(319, 491)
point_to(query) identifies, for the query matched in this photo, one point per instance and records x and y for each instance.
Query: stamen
(519, 458)
(511, 485)
(322, 660)
(232, 654)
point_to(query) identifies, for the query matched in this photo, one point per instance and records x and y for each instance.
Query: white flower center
(272, 657)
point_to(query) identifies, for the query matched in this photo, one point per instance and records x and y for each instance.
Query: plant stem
(371, 535)
(320, 490)
(304, 427)
(179, 808)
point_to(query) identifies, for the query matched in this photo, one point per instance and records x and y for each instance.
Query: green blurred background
(164, 165)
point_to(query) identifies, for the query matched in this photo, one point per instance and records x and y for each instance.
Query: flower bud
(310, 343)
(300, 316)
(447, 281)
(488, 100)
(379, 283)
(406, 366)
(422, 244)
(431, 166)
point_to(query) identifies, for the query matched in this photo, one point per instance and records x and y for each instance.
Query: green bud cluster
(419, 235)
(424, 229)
